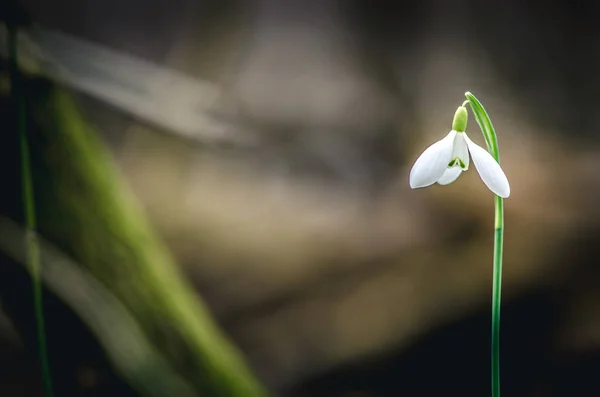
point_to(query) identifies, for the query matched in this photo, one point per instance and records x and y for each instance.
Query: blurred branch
(156, 95)
(119, 333)
(87, 211)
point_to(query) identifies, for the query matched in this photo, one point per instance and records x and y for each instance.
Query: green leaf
(487, 128)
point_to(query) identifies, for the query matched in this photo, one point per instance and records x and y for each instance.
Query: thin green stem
(491, 140)
(497, 294)
(33, 253)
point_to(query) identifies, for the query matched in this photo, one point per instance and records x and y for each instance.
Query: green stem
(33, 254)
(491, 140)
(497, 294)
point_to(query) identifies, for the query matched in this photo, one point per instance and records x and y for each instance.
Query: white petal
(450, 175)
(489, 170)
(460, 149)
(430, 166)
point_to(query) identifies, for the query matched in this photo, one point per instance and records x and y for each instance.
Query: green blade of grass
(33, 255)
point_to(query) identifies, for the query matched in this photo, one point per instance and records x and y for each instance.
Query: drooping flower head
(445, 160)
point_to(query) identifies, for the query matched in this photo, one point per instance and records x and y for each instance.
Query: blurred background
(274, 167)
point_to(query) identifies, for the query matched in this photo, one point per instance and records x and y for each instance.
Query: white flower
(445, 160)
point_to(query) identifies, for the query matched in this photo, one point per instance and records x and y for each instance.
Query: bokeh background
(299, 230)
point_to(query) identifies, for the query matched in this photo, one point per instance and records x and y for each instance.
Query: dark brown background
(331, 274)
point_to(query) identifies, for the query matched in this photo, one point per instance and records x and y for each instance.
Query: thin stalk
(497, 294)
(492, 143)
(33, 253)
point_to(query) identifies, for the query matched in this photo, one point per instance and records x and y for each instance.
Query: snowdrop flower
(445, 160)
